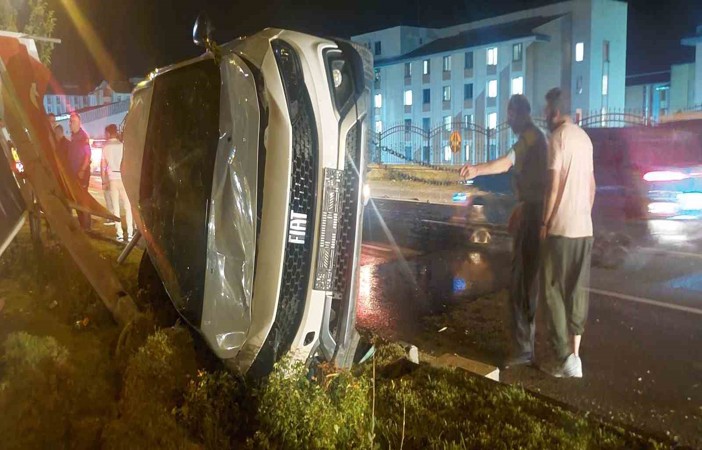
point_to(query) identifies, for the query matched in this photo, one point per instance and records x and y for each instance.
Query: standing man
(62, 144)
(112, 161)
(79, 162)
(528, 157)
(566, 233)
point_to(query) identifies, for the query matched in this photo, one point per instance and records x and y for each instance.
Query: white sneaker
(572, 367)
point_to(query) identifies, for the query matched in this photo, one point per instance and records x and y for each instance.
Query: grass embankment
(63, 386)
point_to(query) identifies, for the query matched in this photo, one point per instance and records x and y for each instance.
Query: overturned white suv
(245, 169)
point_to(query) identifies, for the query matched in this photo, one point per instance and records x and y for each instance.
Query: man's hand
(543, 233)
(469, 171)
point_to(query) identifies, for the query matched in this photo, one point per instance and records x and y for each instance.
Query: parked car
(649, 190)
(245, 168)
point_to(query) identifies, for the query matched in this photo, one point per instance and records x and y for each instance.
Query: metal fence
(459, 142)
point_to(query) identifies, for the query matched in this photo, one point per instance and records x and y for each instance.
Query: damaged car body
(245, 168)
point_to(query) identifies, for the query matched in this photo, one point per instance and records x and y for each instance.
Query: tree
(35, 19)
(41, 22)
(8, 16)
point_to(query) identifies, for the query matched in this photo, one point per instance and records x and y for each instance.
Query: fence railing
(461, 142)
(100, 112)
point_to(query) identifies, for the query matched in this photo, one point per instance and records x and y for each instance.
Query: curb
(453, 361)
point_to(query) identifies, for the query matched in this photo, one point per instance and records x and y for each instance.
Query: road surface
(422, 281)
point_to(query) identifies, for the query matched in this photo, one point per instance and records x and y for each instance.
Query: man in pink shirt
(566, 233)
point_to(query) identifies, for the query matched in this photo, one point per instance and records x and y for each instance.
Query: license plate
(326, 255)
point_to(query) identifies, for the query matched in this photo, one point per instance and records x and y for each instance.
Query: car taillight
(665, 175)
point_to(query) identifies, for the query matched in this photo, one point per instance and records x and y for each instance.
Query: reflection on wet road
(396, 292)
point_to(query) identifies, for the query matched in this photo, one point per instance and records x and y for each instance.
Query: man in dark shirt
(528, 157)
(79, 161)
(62, 144)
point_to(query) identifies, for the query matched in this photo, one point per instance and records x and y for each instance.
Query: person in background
(52, 120)
(566, 232)
(62, 144)
(104, 176)
(112, 159)
(79, 162)
(528, 157)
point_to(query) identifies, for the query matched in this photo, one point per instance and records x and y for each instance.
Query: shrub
(37, 393)
(296, 412)
(217, 409)
(155, 380)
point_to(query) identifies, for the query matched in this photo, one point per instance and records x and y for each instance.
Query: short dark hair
(111, 130)
(519, 104)
(59, 127)
(556, 100)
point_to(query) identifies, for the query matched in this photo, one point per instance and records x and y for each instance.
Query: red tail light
(665, 175)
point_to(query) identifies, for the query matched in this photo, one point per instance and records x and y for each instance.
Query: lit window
(378, 100)
(605, 84)
(447, 153)
(408, 70)
(517, 85)
(492, 121)
(408, 97)
(426, 67)
(378, 126)
(517, 52)
(447, 63)
(492, 56)
(447, 93)
(579, 51)
(492, 88)
(467, 157)
(447, 123)
(467, 120)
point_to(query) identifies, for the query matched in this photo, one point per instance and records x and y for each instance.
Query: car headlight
(340, 75)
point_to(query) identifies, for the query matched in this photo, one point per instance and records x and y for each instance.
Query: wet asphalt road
(642, 350)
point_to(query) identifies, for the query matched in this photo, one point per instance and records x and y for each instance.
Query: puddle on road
(396, 295)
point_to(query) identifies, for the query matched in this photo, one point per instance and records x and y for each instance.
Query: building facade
(71, 98)
(428, 78)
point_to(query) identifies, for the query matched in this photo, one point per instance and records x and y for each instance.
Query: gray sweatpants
(565, 277)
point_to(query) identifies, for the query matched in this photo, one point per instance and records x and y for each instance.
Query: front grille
(347, 215)
(298, 257)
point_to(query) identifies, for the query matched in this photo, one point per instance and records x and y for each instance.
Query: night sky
(144, 34)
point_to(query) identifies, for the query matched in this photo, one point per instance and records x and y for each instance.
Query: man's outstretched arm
(499, 165)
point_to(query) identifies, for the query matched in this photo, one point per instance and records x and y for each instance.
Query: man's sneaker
(572, 367)
(522, 360)
(120, 238)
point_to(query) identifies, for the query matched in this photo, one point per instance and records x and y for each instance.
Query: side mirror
(202, 32)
